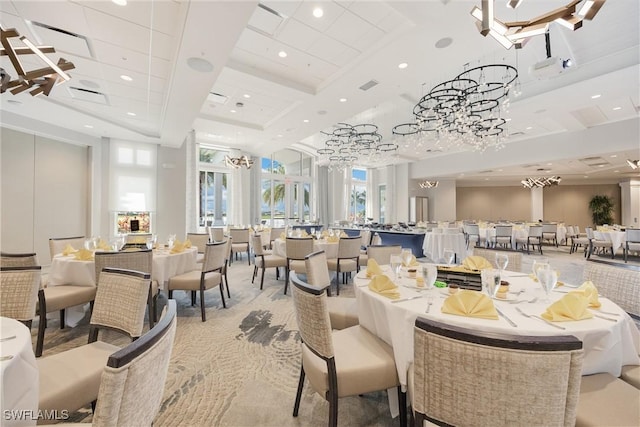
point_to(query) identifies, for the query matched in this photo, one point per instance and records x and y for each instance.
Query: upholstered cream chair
(297, 249)
(200, 280)
(58, 244)
(618, 282)
(597, 243)
(607, 401)
(264, 260)
(503, 236)
(550, 233)
(217, 234)
(240, 242)
(348, 362)
(19, 287)
(70, 380)
(343, 312)
(348, 259)
(534, 237)
(199, 240)
(382, 253)
(275, 233)
(515, 258)
(632, 243)
(465, 376)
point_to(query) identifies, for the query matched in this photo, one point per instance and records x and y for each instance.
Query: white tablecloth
(617, 238)
(18, 375)
(329, 248)
(435, 243)
(607, 345)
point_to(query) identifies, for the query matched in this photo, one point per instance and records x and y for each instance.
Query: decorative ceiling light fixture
(348, 144)
(464, 112)
(541, 182)
(517, 33)
(634, 164)
(238, 162)
(429, 184)
(42, 79)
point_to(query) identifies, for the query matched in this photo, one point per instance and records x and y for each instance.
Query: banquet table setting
(435, 244)
(608, 333)
(617, 238)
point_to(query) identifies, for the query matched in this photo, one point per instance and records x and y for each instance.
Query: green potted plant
(601, 210)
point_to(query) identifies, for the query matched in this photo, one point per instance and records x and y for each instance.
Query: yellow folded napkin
(373, 268)
(471, 304)
(138, 240)
(283, 236)
(325, 233)
(475, 262)
(104, 246)
(384, 286)
(588, 289)
(333, 239)
(178, 247)
(412, 263)
(187, 243)
(343, 234)
(572, 306)
(84, 255)
(68, 250)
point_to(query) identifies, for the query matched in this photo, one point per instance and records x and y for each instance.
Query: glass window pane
(212, 156)
(306, 212)
(266, 164)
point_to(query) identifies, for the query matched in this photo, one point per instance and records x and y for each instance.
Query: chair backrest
(570, 231)
(18, 260)
(349, 247)
(299, 247)
(240, 235)
(57, 244)
(382, 253)
(503, 231)
(535, 231)
(515, 258)
(141, 260)
(276, 232)
(314, 324)
(618, 282)
(549, 228)
(121, 301)
(589, 232)
(473, 229)
(256, 243)
(19, 288)
(466, 377)
(199, 239)
(133, 382)
(218, 234)
(215, 256)
(632, 235)
(317, 269)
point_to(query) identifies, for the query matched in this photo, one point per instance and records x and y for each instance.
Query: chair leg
(296, 405)
(255, 271)
(150, 309)
(402, 403)
(338, 280)
(204, 316)
(286, 279)
(332, 397)
(170, 294)
(193, 298)
(62, 318)
(262, 278)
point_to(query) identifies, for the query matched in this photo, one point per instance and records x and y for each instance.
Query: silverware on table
(605, 318)
(539, 318)
(429, 304)
(407, 299)
(605, 312)
(511, 322)
(7, 338)
(3, 358)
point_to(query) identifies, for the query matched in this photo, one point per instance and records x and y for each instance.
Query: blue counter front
(413, 241)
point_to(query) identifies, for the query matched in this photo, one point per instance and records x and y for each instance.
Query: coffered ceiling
(341, 67)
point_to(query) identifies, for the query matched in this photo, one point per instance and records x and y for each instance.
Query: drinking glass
(449, 255)
(313, 231)
(172, 238)
(396, 263)
(548, 278)
(490, 281)
(406, 256)
(502, 260)
(429, 274)
(536, 264)
(150, 243)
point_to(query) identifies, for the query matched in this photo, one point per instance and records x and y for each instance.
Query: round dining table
(18, 375)
(435, 243)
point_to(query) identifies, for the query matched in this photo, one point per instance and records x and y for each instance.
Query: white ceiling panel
(348, 28)
(332, 11)
(372, 12)
(286, 8)
(68, 16)
(368, 39)
(331, 50)
(131, 60)
(296, 34)
(393, 21)
(265, 20)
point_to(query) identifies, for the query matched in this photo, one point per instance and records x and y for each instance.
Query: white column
(192, 189)
(630, 203)
(537, 204)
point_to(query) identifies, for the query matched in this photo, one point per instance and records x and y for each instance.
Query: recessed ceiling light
(507, 119)
(131, 114)
(282, 54)
(88, 126)
(499, 170)
(318, 12)
(403, 65)
(549, 164)
(586, 176)
(199, 64)
(617, 171)
(120, 2)
(343, 99)
(617, 108)
(306, 120)
(246, 95)
(279, 135)
(600, 166)
(486, 179)
(614, 155)
(213, 135)
(126, 78)
(595, 96)
(529, 128)
(233, 111)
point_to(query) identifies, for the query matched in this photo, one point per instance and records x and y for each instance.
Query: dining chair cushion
(631, 375)
(297, 265)
(343, 312)
(345, 264)
(607, 400)
(361, 369)
(63, 296)
(70, 379)
(190, 281)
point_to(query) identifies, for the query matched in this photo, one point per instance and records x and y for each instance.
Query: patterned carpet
(241, 367)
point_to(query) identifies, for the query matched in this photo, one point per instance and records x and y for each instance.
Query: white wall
(171, 215)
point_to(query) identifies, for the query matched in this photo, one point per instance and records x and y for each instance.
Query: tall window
(286, 187)
(382, 197)
(213, 181)
(358, 199)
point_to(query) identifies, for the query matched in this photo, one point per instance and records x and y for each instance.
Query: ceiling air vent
(368, 85)
(88, 95)
(63, 40)
(217, 98)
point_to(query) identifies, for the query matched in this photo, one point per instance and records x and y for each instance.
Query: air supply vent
(63, 40)
(368, 85)
(88, 95)
(217, 98)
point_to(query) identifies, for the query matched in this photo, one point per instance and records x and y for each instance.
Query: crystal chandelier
(350, 144)
(464, 113)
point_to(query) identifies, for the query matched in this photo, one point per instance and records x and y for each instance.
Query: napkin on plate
(412, 263)
(475, 262)
(68, 250)
(187, 243)
(471, 304)
(588, 289)
(104, 246)
(178, 247)
(333, 239)
(572, 306)
(384, 286)
(343, 234)
(84, 255)
(373, 268)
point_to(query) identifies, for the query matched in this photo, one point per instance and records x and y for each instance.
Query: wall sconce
(238, 162)
(42, 79)
(429, 184)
